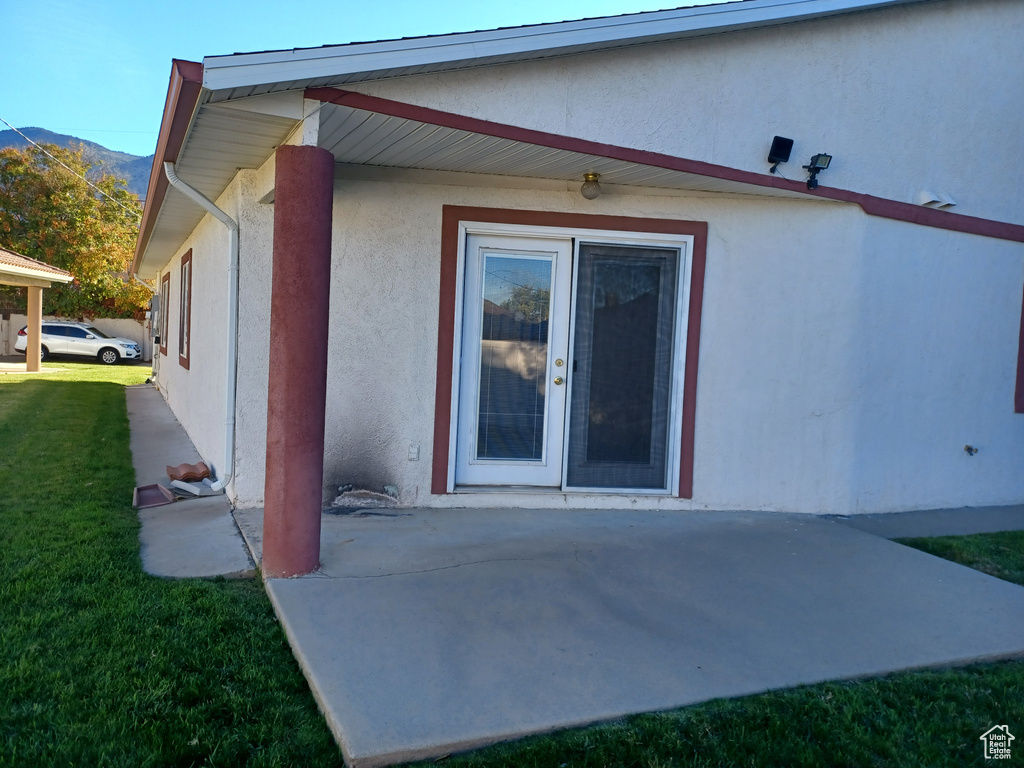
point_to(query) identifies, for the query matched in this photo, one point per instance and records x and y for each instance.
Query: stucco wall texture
(845, 360)
(197, 395)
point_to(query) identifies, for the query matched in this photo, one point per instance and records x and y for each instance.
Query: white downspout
(232, 356)
(154, 357)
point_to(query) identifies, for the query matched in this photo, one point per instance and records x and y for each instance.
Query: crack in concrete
(441, 568)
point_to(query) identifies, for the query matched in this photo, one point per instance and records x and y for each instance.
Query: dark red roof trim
(182, 97)
(874, 206)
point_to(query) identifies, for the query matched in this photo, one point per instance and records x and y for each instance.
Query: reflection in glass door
(513, 356)
(512, 398)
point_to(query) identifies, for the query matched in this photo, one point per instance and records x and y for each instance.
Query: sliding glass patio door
(566, 372)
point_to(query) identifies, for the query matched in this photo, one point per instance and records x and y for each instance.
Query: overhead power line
(70, 170)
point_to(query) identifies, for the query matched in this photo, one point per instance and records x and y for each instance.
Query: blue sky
(98, 69)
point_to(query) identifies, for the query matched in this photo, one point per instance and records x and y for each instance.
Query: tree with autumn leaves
(49, 213)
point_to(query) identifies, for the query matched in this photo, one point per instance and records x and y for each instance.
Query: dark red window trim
(185, 312)
(1018, 395)
(451, 216)
(165, 310)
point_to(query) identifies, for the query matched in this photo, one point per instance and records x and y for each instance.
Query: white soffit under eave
(223, 139)
(354, 62)
(360, 138)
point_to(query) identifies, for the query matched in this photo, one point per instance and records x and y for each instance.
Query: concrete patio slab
(190, 538)
(432, 631)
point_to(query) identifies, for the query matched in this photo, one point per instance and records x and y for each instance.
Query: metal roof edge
(525, 42)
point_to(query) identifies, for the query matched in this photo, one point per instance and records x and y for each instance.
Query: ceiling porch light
(591, 188)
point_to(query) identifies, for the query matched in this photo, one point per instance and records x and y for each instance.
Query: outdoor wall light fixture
(779, 153)
(818, 163)
(591, 189)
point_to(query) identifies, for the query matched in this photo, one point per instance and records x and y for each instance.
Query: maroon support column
(297, 389)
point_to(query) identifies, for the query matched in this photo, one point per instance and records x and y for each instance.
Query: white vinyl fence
(126, 329)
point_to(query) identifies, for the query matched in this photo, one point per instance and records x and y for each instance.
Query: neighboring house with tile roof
(34, 276)
(716, 335)
(16, 269)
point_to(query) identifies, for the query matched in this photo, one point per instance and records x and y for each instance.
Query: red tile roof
(10, 258)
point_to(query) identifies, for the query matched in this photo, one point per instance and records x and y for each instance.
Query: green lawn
(997, 554)
(102, 665)
(912, 719)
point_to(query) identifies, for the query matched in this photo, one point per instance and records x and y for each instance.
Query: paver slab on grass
(100, 664)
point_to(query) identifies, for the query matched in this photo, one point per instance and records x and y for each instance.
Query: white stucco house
(403, 284)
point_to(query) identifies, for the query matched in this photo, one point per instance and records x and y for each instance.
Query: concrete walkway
(189, 538)
(432, 631)
(15, 364)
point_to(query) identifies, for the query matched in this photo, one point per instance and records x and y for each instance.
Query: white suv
(65, 338)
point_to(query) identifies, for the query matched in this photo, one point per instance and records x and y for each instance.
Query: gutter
(144, 284)
(232, 352)
(359, 62)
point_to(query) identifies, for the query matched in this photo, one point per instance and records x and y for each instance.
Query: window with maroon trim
(504, 365)
(1018, 395)
(185, 311)
(165, 310)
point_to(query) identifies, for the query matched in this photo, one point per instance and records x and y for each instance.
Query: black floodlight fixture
(779, 153)
(818, 163)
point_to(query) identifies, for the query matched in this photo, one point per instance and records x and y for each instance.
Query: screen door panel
(622, 367)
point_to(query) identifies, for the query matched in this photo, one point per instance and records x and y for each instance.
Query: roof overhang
(231, 113)
(183, 92)
(19, 270)
(368, 131)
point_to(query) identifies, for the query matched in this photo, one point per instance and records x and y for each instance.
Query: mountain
(132, 168)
